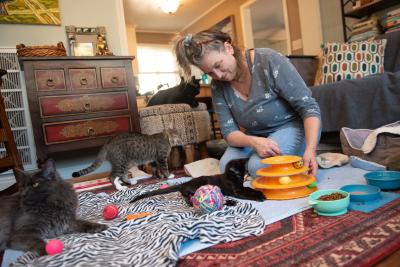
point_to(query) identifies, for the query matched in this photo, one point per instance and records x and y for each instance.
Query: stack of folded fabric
(365, 29)
(392, 21)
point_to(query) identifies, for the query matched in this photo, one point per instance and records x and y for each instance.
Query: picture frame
(227, 25)
(80, 38)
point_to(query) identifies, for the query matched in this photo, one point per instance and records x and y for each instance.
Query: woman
(263, 106)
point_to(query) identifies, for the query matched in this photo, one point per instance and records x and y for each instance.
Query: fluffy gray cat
(44, 208)
(133, 149)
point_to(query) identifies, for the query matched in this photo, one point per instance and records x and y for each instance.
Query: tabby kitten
(230, 183)
(133, 149)
(44, 208)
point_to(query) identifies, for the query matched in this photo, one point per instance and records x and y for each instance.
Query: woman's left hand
(310, 161)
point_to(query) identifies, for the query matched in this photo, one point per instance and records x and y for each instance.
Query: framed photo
(87, 41)
(84, 49)
(227, 25)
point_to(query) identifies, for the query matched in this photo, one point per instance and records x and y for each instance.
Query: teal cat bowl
(387, 180)
(329, 207)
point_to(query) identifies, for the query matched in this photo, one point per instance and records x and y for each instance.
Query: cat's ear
(49, 168)
(20, 176)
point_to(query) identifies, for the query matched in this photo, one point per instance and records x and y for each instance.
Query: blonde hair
(190, 49)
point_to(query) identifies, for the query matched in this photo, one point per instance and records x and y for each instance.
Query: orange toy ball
(137, 215)
(110, 212)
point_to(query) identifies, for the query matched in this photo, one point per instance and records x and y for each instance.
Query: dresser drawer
(83, 78)
(50, 80)
(77, 104)
(113, 77)
(69, 131)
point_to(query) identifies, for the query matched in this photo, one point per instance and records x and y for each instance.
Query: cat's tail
(101, 157)
(174, 188)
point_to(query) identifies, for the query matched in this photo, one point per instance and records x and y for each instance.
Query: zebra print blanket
(148, 241)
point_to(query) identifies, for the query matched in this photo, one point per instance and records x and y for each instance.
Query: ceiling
(266, 15)
(147, 16)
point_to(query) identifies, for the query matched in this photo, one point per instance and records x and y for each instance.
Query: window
(157, 67)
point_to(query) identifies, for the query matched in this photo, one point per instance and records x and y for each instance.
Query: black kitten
(183, 93)
(230, 183)
(45, 207)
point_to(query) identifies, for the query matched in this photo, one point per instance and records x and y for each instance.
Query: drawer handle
(90, 131)
(87, 107)
(83, 81)
(114, 79)
(50, 82)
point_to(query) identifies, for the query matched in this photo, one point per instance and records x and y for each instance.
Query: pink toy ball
(208, 198)
(110, 212)
(163, 186)
(54, 247)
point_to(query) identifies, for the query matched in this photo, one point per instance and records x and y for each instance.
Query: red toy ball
(54, 246)
(110, 212)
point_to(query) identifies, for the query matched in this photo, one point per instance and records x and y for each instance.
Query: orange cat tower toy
(285, 178)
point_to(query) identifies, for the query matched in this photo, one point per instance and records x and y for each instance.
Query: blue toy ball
(208, 198)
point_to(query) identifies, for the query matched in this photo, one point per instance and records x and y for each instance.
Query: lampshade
(169, 6)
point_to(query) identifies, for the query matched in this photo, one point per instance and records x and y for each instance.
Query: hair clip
(188, 39)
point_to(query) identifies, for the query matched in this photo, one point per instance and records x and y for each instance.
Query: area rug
(304, 239)
(354, 239)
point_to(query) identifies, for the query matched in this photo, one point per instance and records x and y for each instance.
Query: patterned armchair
(192, 123)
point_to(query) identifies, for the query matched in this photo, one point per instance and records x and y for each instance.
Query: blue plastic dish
(362, 193)
(384, 179)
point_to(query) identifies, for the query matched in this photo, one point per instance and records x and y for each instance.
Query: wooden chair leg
(175, 158)
(189, 153)
(203, 150)
(9, 190)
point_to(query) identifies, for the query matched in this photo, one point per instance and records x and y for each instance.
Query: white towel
(370, 141)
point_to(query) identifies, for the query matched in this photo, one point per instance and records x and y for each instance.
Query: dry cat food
(333, 196)
(358, 193)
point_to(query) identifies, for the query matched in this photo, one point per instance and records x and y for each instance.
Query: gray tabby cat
(44, 208)
(133, 149)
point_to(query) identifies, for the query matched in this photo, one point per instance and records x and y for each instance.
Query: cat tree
(285, 178)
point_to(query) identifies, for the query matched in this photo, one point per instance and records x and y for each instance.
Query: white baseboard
(6, 180)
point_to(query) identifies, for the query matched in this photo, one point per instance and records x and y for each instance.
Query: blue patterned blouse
(278, 97)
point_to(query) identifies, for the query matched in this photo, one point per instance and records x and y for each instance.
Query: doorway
(274, 24)
(264, 25)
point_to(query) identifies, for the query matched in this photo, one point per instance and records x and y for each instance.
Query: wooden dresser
(79, 102)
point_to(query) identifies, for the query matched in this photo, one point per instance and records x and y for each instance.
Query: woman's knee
(232, 153)
(254, 164)
(291, 141)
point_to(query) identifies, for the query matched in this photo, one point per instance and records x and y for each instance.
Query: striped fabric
(149, 241)
(352, 60)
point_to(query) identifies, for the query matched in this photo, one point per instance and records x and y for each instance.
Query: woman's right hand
(265, 147)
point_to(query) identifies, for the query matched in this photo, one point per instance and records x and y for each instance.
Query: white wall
(86, 13)
(132, 45)
(310, 23)
(331, 20)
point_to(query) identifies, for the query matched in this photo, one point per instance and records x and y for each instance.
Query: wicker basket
(41, 51)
